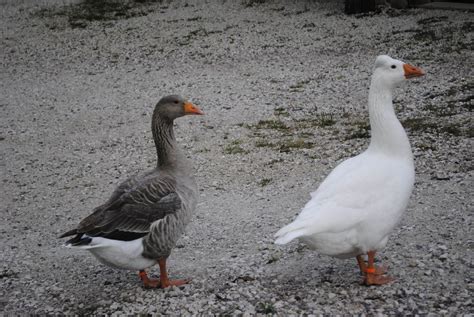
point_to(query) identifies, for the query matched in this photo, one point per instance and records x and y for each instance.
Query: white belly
(120, 254)
(346, 244)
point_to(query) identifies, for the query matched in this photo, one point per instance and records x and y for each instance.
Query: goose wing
(131, 210)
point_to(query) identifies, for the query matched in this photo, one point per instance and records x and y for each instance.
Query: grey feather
(156, 205)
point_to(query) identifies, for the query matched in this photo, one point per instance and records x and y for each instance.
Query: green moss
(418, 124)
(322, 120)
(274, 161)
(426, 147)
(272, 124)
(299, 85)
(251, 3)
(359, 130)
(326, 120)
(453, 129)
(425, 36)
(289, 145)
(470, 132)
(264, 182)
(265, 308)
(234, 148)
(280, 111)
(264, 143)
(79, 14)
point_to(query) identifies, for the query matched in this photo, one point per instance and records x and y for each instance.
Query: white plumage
(361, 201)
(118, 254)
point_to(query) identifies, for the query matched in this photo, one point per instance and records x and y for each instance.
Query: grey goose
(141, 222)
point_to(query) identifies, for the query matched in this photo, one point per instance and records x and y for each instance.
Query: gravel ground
(284, 88)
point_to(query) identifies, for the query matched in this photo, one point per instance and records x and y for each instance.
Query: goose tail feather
(80, 241)
(290, 232)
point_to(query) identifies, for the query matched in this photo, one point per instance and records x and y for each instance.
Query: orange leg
(165, 281)
(373, 275)
(147, 282)
(362, 265)
(379, 270)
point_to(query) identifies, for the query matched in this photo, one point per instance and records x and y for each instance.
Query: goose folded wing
(131, 214)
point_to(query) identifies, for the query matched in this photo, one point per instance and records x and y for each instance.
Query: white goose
(361, 201)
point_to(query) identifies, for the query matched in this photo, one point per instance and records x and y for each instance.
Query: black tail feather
(78, 240)
(69, 233)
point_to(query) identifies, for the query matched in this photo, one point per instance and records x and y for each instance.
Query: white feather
(118, 254)
(360, 202)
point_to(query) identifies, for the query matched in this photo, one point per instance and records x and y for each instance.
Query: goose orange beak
(190, 108)
(412, 71)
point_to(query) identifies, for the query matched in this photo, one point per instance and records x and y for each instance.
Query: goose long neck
(165, 143)
(388, 135)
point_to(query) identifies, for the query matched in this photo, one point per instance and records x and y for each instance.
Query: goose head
(391, 72)
(174, 106)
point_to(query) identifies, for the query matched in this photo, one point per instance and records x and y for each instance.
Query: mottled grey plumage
(155, 206)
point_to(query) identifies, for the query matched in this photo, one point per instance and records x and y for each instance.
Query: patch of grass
(234, 148)
(79, 14)
(418, 124)
(346, 114)
(467, 26)
(287, 146)
(274, 161)
(453, 129)
(445, 110)
(265, 308)
(422, 125)
(298, 86)
(272, 124)
(467, 102)
(432, 20)
(425, 36)
(280, 111)
(321, 120)
(360, 130)
(306, 135)
(426, 147)
(470, 132)
(264, 182)
(326, 120)
(264, 143)
(251, 3)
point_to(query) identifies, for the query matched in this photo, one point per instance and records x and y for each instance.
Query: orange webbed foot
(373, 275)
(147, 282)
(381, 270)
(376, 270)
(168, 283)
(374, 279)
(165, 281)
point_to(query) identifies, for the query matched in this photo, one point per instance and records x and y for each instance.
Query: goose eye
(393, 66)
(176, 101)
